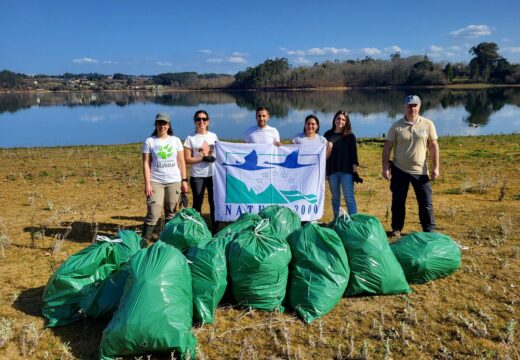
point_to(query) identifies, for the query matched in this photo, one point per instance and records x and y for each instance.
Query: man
(262, 133)
(412, 138)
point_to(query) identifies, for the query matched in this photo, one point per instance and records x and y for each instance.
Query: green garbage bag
(245, 221)
(258, 263)
(318, 273)
(186, 229)
(373, 266)
(427, 256)
(209, 278)
(105, 299)
(155, 312)
(282, 219)
(73, 286)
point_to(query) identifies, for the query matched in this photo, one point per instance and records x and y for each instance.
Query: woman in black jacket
(342, 165)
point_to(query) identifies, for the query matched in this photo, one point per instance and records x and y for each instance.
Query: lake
(60, 119)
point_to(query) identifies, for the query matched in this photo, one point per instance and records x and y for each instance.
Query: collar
(412, 123)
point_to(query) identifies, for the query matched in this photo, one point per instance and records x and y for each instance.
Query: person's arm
(277, 138)
(433, 147)
(387, 149)
(182, 167)
(147, 174)
(355, 161)
(189, 159)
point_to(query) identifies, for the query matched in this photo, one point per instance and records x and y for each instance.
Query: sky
(152, 37)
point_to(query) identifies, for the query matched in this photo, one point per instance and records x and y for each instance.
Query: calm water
(28, 120)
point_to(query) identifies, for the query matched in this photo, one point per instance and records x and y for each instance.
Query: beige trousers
(164, 195)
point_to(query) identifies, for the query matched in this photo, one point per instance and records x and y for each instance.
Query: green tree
(449, 71)
(486, 58)
(8, 79)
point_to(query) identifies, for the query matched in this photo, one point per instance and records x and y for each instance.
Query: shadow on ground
(79, 231)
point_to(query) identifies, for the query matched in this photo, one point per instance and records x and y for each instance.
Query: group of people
(411, 138)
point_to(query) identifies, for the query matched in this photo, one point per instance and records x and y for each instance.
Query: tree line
(486, 66)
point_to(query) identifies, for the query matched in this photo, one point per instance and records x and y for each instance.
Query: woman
(310, 134)
(164, 173)
(342, 165)
(198, 151)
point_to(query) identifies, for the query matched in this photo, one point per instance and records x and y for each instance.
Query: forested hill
(486, 66)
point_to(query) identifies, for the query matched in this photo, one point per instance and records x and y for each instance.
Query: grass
(54, 201)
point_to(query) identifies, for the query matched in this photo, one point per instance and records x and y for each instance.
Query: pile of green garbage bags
(265, 261)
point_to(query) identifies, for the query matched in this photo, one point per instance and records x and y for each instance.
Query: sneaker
(396, 234)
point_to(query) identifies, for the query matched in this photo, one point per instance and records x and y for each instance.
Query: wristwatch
(184, 180)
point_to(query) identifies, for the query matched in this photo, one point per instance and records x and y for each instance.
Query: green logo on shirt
(165, 151)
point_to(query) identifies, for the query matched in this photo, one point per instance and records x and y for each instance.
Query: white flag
(249, 177)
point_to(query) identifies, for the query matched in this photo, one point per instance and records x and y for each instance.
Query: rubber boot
(147, 234)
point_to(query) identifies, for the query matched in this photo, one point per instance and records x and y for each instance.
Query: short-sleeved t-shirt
(164, 168)
(411, 144)
(258, 135)
(302, 139)
(195, 143)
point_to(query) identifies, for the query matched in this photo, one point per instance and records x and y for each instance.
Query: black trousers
(198, 187)
(399, 184)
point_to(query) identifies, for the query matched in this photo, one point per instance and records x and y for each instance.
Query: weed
(29, 339)
(6, 331)
(5, 241)
(502, 193)
(59, 240)
(14, 296)
(510, 331)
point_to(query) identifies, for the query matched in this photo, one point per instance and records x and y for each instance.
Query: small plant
(5, 241)
(6, 331)
(510, 331)
(502, 193)
(59, 240)
(29, 339)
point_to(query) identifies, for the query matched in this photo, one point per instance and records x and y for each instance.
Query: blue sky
(151, 37)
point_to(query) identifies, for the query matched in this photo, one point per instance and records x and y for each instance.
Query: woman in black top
(343, 162)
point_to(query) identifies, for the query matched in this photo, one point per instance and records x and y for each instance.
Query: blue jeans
(337, 181)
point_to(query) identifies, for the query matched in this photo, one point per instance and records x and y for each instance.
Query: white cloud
(302, 61)
(393, 49)
(371, 51)
(439, 51)
(472, 31)
(237, 60)
(164, 63)
(205, 51)
(236, 53)
(109, 62)
(513, 50)
(316, 51)
(92, 118)
(85, 60)
(296, 52)
(214, 61)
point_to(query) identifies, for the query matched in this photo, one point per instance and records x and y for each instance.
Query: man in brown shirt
(411, 138)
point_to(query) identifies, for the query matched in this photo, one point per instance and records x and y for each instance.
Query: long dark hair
(200, 112)
(311, 116)
(170, 130)
(348, 125)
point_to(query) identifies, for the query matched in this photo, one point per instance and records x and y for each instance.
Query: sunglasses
(201, 119)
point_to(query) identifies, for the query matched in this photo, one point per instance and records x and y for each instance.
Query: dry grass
(55, 201)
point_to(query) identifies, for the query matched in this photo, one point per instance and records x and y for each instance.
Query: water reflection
(372, 111)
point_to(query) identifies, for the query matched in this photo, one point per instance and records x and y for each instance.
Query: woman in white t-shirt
(310, 134)
(199, 152)
(164, 171)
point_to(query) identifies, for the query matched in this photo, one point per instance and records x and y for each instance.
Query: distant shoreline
(475, 86)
